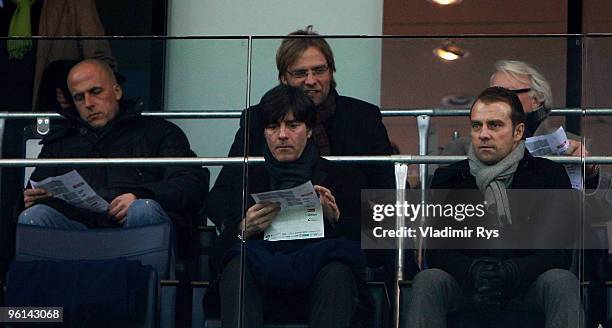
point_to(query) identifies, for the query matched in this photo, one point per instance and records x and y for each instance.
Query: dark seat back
(151, 245)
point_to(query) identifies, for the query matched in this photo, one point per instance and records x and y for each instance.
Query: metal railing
(423, 116)
(388, 112)
(43, 118)
(221, 161)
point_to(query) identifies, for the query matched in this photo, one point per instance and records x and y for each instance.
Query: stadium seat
(150, 245)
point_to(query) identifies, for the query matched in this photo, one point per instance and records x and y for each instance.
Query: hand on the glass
(59, 96)
(33, 194)
(576, 148)
(328, 202)
(118, 208)
(258, 218)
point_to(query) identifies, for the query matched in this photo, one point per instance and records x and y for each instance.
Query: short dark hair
(282, 100)
(498, 94)
(292, 48)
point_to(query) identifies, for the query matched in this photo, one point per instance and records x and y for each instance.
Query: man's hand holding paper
(576, 148)
(259, 217)
(31, 195)
(72, 188)
(300, 214)
(557, 144)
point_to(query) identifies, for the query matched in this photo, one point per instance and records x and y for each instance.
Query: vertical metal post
(401, 174)
(423, 126)
(245, 176)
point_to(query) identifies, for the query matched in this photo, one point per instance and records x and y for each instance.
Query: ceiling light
(449, 51)
(445, 2)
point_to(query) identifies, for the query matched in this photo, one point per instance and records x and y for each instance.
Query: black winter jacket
(356, 128)
(180, 190)
(344, 182)
(532, 173)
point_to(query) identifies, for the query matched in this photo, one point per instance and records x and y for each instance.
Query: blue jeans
(142, 212)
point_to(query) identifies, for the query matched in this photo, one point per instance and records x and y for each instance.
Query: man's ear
(535, 103)
(283, 79)
(118, 91)
(519, 131)
(309, 133)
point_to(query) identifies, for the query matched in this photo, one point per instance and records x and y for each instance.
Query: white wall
(211, 74)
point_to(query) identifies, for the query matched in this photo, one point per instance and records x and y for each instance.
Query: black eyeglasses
(303, 73)
(517, 91)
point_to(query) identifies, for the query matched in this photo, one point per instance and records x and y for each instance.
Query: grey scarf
(493, 180)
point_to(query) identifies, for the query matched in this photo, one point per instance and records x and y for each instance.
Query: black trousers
(330, 301)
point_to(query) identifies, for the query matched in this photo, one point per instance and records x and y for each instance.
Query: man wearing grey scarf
(494, 179)
(490, 281)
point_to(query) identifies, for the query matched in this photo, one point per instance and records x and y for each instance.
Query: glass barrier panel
(413, 74)
(291, 228)
(158, 76)
(597, 204)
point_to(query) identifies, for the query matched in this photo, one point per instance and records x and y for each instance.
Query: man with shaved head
(95, 92)
(106, 126)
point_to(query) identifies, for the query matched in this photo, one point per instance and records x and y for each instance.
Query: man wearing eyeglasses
(344, 125)
(535, 95)
(533, 91)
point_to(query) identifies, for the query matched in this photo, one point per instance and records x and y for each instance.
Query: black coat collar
(128, 109)
(339, 122)
(458, 176)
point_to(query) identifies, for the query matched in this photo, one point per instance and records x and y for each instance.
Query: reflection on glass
(368, 73)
